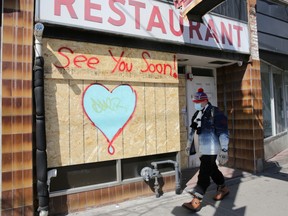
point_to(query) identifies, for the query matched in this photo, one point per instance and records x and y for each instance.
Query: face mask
(198, 106)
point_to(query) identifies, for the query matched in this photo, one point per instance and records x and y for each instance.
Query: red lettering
(225, 33)
(171, 21)
(69, 6)
(211, 31)
(159, 68)
(138, 6)
(208, 35)
(238, 29)
(152, 22)
(143, 56)
(79, 58)
(65, 56)
(195, 28)
(121, 64)
(90, 62)
(88, 6)
(175, 75)
(120, 11)
(122, 19)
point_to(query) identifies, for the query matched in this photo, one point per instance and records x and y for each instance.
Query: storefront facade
(115, 96)
(273, 52)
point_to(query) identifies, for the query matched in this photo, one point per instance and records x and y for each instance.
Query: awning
(277, 59)
(196, 9)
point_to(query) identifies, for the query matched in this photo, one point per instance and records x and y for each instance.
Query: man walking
(212, 128)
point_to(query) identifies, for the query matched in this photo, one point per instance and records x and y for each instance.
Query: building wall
(239, 88)
(239, 93)
(274, 15)
(106, 196)
(17, 103)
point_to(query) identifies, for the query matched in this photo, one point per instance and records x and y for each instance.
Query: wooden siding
(240, 89)
(16, 44)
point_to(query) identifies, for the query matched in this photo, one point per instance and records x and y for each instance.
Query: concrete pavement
(262, 194)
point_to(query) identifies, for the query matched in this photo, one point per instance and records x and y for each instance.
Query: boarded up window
(105, 102)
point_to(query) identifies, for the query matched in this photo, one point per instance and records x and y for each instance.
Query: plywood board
(76, 131)
(103, 144)
(80, 60)
(150, 117)
(161, 127)
(89, 119)
(134, 134)
(73, 139)
(57, 122)
(172, 118)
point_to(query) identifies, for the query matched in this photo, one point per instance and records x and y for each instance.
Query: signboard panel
(149, 19)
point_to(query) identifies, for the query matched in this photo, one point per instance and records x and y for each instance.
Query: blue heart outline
(109, 111)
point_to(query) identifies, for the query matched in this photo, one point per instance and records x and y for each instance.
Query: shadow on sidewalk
(273, 170)
(186, 176)
(221, 208)
(233, 178)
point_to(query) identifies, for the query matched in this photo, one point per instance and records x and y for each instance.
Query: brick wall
(254, 46)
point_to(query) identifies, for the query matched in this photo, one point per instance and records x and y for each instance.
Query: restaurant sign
(150, 19)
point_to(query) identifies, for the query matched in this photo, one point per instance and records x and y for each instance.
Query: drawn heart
(109, 111)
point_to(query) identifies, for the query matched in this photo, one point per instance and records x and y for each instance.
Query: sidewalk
(262, 194)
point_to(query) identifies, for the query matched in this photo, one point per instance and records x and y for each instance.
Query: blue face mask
(198, 106)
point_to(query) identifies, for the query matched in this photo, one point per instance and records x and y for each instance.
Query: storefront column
(239, 94)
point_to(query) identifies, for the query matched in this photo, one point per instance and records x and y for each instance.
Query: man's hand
(223, 157)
